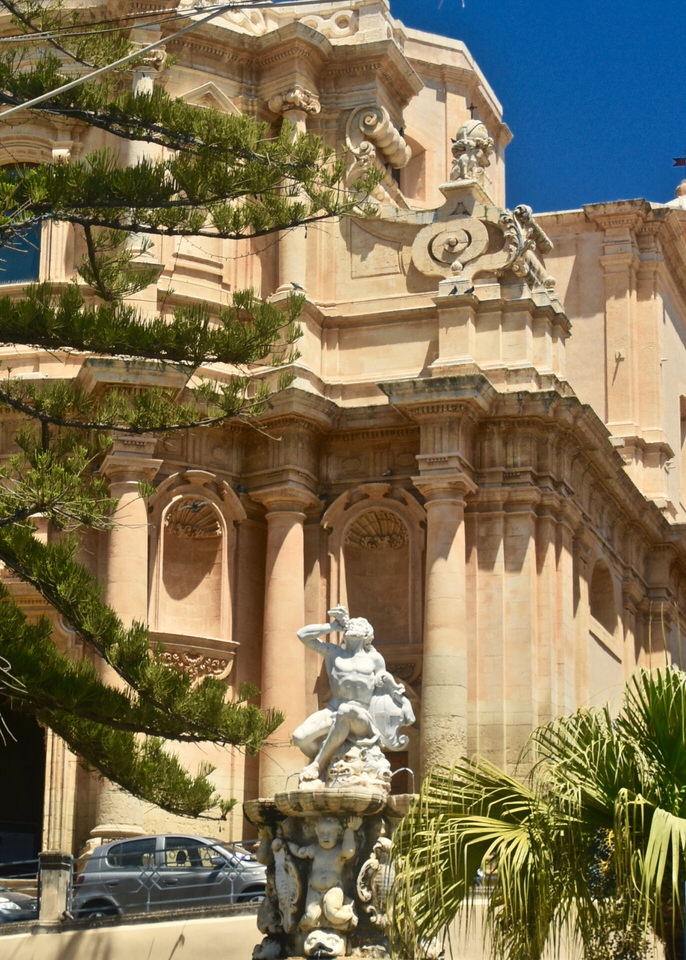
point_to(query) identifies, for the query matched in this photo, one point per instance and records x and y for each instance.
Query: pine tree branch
(114, 425)
(28, 24)
(164, 701)
(222, 177)
(99, 287)
(47, 680)
(132, 225)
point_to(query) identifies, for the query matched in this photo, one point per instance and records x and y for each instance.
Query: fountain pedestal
(328, 875)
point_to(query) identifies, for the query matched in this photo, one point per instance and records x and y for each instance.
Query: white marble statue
(367, 705)
(472, 149)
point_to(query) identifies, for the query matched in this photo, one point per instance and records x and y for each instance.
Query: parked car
(17, 906)
(165, 872)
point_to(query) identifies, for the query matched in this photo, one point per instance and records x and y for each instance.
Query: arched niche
(192, 529)
(606, 654)
(413, 175)
(601, 597)
(375, 555)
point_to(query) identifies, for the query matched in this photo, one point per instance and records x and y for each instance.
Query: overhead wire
(111, 24)
(78, 29)
(210, 11)
(36, 101)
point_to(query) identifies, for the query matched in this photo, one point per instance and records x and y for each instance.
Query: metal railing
(104, 886)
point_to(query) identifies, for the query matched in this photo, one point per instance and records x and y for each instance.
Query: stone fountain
(326, 843)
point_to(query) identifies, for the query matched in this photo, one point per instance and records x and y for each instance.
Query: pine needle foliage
(590, 846)
(210, 175)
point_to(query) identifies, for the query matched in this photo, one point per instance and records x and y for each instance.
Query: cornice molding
(442, 396)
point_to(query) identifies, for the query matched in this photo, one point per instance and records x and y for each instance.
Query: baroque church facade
(483, 450)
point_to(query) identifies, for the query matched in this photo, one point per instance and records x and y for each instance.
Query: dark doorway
(22, 761)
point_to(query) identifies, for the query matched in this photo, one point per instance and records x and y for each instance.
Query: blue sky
(593, 92)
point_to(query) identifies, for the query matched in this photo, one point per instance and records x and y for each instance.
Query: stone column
(632, 597)
(283, 655)
(570, 519)
(444, 671)
(489, 654)
(582, 555)
(294, 105)
(57, 238)
(521, 693)
(60, 793)
(448, 411)
(130, 461)
(547, 602)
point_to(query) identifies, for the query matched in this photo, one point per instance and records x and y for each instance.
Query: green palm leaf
(591, 844)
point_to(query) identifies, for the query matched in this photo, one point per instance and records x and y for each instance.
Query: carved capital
(455, 487)
(62, 152)
(131, 460)
(285, 499)
(152, 59)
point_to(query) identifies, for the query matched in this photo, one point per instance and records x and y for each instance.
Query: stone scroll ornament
(326, 844)
(372, 138)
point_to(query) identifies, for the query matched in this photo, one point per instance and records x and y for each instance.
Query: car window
(132, 854)
(238, 852)
(184, 853)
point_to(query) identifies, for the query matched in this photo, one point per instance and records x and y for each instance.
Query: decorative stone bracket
(198, 656)
(295, 98)
(469, 237)
(369, 129)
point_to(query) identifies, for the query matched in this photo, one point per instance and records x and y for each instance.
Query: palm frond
(591, 845)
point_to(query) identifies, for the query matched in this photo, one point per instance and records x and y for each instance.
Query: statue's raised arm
(365, 710)
(310, 634)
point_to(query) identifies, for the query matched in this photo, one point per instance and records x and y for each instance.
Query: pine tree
(218, 176)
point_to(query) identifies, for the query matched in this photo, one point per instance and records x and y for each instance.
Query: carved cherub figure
(326, 904)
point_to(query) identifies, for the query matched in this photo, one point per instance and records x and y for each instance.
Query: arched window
(20, 255)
